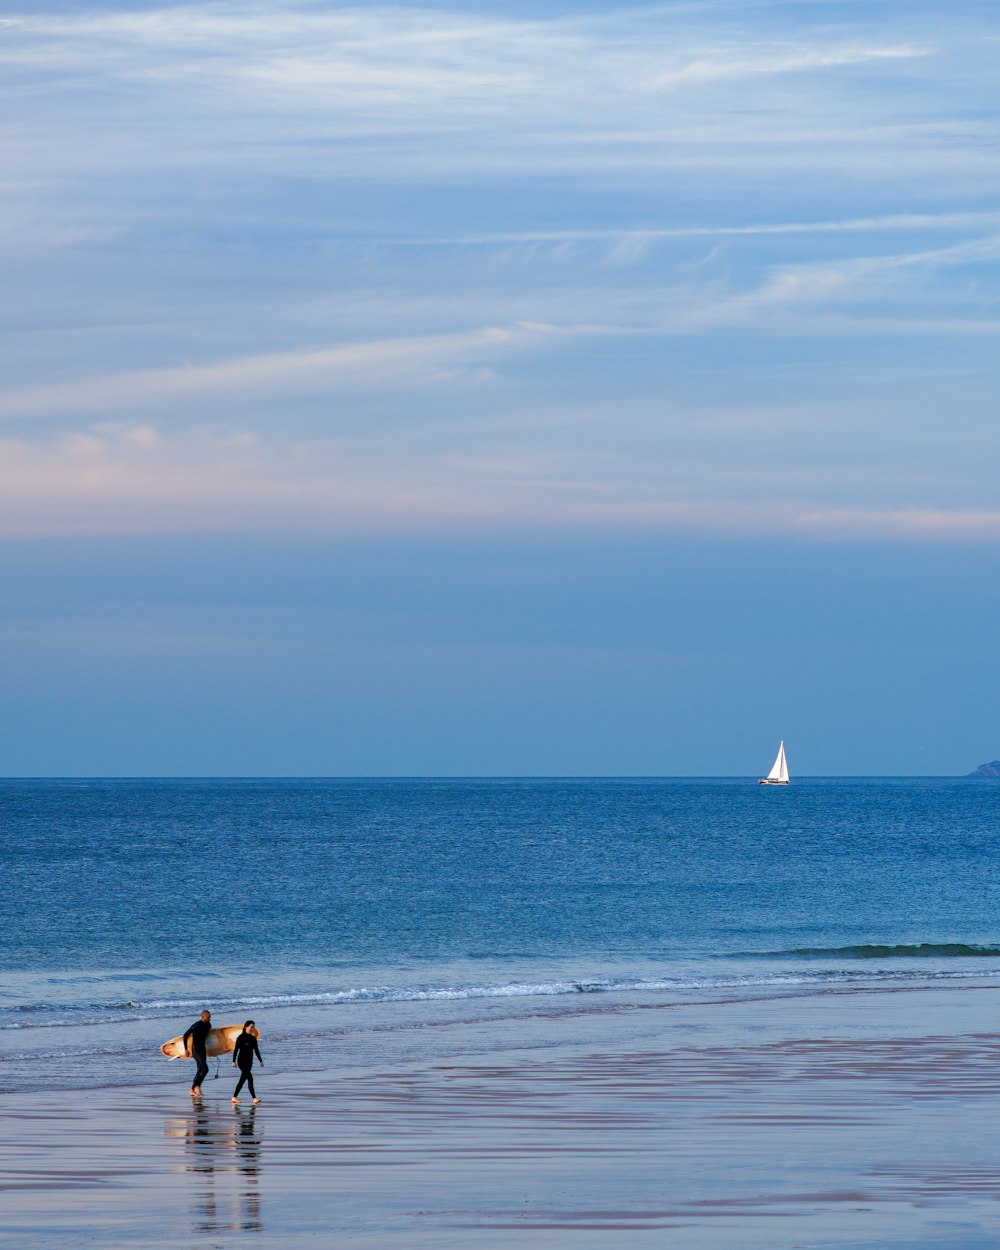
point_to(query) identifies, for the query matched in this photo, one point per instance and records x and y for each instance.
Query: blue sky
(551, 388)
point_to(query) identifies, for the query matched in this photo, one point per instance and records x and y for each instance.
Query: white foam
(50, 1015)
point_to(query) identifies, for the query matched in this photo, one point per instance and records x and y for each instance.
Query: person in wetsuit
(243, 1052)
(198, 1033)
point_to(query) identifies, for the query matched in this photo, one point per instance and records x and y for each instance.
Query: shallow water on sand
(834, 1119)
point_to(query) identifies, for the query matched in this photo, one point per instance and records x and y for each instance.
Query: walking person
(243, 1052)
(198, 1033)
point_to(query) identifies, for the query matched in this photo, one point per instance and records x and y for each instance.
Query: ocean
(355, 920)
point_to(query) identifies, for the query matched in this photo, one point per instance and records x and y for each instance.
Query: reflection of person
(243, 1052)
(198, 1033)
(248, 1153)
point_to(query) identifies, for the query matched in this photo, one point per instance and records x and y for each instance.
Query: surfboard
(219, 1041)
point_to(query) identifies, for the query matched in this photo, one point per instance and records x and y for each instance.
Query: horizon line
(485, 777)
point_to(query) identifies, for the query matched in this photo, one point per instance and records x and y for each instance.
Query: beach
(556, 1013)
(825, 1118)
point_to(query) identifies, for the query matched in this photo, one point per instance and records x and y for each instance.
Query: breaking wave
(919, 950)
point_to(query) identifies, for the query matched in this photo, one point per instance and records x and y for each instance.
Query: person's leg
(201, 1073)
(240, 1083)
(253, 1092)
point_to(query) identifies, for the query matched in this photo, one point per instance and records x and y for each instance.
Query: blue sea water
(349, 908)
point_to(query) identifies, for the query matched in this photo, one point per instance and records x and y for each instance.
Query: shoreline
(72, 1056)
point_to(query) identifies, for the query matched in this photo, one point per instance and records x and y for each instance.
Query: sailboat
(778, 776)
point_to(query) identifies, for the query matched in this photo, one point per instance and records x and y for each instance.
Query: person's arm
(184, 1039)
(256, 1051)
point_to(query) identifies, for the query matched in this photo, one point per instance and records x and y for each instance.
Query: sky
(562, 388)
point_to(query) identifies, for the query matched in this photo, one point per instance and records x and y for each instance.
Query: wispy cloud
(812, 288)
(863, 281)
(277, 83)
(780, 59)
(891, 222)
(386, 362)
(934, 524)
(217, 215)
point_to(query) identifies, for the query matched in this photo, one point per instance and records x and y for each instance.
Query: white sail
(778, 776)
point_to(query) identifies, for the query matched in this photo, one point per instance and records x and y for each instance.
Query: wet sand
(858, 1120)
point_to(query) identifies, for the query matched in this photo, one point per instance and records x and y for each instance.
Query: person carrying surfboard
(243, 1052)
(198, 1033)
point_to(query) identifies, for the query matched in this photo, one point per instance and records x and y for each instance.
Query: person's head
(247, 1026)
(206, 1016)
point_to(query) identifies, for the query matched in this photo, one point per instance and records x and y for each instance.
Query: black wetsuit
(198, 1032)
(243, 1052)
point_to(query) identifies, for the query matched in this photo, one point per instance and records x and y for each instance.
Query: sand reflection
(222, 1157)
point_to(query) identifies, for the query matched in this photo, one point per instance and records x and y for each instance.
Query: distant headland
(992, 769)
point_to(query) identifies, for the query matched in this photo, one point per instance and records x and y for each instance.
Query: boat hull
(770, 781)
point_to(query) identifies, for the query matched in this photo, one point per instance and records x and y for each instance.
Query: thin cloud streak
(391, 361)
(711, 69)
(890, 222)
(820, 284)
